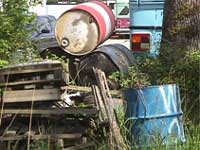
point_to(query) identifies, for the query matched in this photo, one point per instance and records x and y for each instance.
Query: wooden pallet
(41, 137)
(31, 95)
(68, 126)
(54, 111)
(41, 73)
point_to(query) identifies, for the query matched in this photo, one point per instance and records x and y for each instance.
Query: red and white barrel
(81, 29)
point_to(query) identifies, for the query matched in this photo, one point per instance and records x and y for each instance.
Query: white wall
(54, 10)
(57, 10)
(39, 9)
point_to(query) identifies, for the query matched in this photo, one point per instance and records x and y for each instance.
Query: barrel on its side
(108, 58)
(82, 28)
(155, 115)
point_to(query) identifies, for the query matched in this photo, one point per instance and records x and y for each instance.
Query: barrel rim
(66, 50)
(152, 117)
(149, 87)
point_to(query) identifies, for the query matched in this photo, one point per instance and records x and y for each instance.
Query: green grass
(192, 135)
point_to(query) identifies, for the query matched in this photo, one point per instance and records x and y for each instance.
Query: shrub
(185, 72)
(15, 35)
(133, 79)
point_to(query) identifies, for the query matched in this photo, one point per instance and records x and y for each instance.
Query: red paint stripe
(109, 11)
(98, 17)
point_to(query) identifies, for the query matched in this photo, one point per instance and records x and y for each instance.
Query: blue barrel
(154, 115)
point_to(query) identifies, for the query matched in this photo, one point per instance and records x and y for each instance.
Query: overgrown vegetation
(191, 132)
(185, 72)
(133, 79)
(14, 32)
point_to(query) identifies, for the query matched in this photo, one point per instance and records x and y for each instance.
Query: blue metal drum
(154, 115)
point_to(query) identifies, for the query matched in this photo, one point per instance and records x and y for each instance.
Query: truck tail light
(141, 42)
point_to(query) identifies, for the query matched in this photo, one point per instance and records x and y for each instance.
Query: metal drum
(108, 58)
(155, 115)
(82, 28)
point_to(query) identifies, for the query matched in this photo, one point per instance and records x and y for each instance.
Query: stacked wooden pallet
(32, 108)
(40, 74)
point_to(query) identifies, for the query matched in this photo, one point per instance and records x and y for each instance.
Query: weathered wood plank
(42, 137)
(71, 148)
(31, 95)
(28, 73)
(34, 67)
(99, 102)
(88, 89)
(77, 88)
(115, 134)
(21, 71)
(29, 82)
(53, 111)
(81, 146)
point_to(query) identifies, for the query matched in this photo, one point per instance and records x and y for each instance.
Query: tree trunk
(181, 34)
(181, 26)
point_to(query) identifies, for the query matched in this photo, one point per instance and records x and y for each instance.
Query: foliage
(14, 32)
(3, 63)
(192, 137)
(132, 79)
(185, 72)
(43, 145)
(52, 56)
(180, 52)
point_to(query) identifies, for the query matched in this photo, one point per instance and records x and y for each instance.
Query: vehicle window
(43, 25)
(124, 11)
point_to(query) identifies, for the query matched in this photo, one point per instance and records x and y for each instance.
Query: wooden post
(115, 134)
(99, 103)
